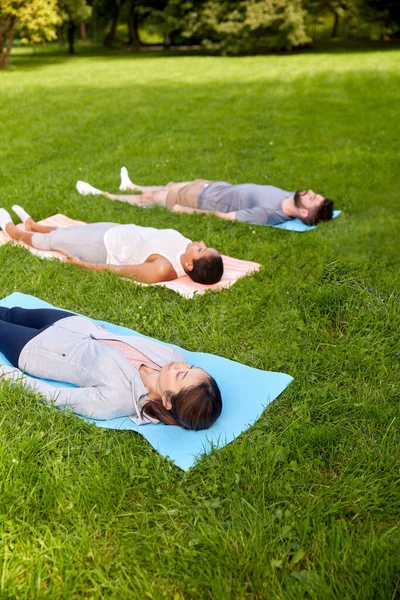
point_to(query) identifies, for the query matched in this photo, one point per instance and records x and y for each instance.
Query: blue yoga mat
(245, 393)
(298, 225)
(293, 224)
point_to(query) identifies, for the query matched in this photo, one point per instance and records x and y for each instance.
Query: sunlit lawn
(306, 503)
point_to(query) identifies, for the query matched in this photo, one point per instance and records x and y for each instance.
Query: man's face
(309, 200)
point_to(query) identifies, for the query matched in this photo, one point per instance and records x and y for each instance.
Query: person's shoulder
(161, 267)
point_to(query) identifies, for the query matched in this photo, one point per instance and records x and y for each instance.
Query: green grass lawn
(306, 503)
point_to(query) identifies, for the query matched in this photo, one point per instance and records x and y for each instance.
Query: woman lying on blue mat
(148, 255)
(116, 375)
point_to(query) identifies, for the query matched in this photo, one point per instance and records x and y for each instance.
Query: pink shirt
(135, 357)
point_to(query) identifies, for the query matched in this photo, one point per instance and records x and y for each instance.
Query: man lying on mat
(148, 255)
(116, 375)
(257, 204)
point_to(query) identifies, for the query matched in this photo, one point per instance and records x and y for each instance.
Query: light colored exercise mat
(234, 268)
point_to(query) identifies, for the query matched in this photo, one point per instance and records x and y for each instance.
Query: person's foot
(21, 213)
(85, 189)
(5, 218)
(126, 183)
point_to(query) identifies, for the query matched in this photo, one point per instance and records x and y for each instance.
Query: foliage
(236, 26)
(305, 504)
(75, 10)
(245, 26)
(386, 13)
(250, 23)
(32, 20)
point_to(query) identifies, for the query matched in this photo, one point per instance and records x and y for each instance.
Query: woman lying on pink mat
(146, 254)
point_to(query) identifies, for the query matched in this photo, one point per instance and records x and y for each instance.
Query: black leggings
(19, 325)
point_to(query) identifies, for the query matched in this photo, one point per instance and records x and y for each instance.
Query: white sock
(85, 189)
(125, 181)
(21, 213)
(5, 218)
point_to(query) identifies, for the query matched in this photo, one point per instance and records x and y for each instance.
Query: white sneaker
(21, 213)
(5, 218)
(125, 181)
(85, 189)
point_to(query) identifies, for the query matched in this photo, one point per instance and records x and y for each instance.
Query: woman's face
(176, 376)
(196, 250)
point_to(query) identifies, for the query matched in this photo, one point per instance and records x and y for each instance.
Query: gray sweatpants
(85, 242)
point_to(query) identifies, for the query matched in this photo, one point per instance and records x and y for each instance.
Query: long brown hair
(195, 407)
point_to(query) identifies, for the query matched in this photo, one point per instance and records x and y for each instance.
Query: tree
(235, 26)
(178, 20)
(73, 13)
(33, 20)
(116, 8)
(348, 10)
(386, 13)
(138, 13)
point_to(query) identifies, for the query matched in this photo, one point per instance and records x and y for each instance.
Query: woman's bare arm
(148, 272)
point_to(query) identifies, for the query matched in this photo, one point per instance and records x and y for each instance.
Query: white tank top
(132, 245)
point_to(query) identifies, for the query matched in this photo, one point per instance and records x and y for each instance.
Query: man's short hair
(320, 213)
(207, 270)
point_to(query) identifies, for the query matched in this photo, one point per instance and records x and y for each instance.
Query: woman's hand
(74, 260)
(86, 265)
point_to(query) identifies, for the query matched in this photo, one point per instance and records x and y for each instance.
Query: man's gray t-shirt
(258, 204)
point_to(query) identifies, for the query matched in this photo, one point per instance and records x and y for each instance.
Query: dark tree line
(224, 26)
(245, 25)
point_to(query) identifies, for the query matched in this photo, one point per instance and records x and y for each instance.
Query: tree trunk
(109, 39)
(2, 42)
(384, 36)
(71, 36)
(335, 30)
(83, 34)
(134, 40)
(61, 40)
(5, 53)
(167, 42)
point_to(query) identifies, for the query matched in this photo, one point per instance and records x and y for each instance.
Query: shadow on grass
(35, 57)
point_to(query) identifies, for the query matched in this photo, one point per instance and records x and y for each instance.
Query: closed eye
(186, 372)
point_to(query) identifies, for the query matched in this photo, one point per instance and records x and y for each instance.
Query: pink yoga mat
(234, 268)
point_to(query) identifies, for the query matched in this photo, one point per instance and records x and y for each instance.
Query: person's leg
(144, 188)
(33, 318)
(185, 194)
(85, 242)
(19, 325)
(18, 234)
(29, 223)
(7, 225)
(32, 226)
(127, 184)
(151, 194)
(13, 338)
(145, 199)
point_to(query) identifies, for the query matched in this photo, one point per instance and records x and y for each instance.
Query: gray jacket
(70, 351)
